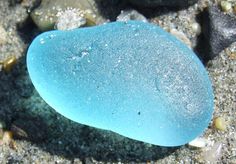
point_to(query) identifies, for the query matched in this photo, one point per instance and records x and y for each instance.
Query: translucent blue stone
(132, 78)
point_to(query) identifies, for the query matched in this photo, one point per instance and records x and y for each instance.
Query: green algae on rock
(46, 15)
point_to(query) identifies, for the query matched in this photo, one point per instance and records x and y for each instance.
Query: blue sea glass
(132, 78)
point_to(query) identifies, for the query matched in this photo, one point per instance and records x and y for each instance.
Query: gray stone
(219, 31)
(154, 3)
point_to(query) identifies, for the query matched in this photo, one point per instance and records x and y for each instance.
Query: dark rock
(219, 31)
(155, 3)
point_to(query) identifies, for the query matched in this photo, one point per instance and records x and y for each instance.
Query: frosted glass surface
(132, 78)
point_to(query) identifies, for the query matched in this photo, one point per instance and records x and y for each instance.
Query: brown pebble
(9, 63)
(12, 145)
(7, 137)
(232, 55)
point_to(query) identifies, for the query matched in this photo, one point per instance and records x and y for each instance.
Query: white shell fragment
(126, 15)
(214, 153)
(70, 19)
(181, 36)
(198, 142)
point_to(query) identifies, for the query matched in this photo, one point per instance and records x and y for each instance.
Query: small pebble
(220, 123)
(225, 6)
(72, 13)
(126, 15)
(13, 145)
(198, 142)
(232, 55)
(7, 137)
(9, 63)
(181, 36)
(3, 35)
(214, 153)
(77, 161)
(196, 28)
(1, 133)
